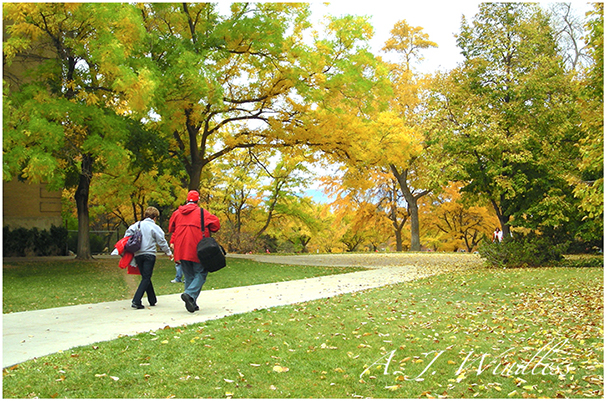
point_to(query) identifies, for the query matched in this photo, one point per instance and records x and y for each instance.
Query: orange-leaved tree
(459, 224)
(392, 137)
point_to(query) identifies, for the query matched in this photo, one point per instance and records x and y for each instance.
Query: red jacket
(127, 258)
(184, 227)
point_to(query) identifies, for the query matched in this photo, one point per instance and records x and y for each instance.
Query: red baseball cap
(193, 196)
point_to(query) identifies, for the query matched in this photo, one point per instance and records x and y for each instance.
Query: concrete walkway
(31, 334)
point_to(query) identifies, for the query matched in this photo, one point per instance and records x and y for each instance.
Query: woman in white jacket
(151, 236)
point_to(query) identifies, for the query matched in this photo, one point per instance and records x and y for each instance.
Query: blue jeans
(145, 262)
(179, 273)
(195, 276)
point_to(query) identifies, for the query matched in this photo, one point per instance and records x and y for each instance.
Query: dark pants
(145, 262)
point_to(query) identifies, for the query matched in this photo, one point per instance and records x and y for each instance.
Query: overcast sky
(440, 19)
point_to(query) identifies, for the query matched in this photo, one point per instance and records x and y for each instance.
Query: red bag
(127, 257)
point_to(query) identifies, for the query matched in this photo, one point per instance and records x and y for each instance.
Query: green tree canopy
(66, 89)
(511, 116)
(247, 79)
(588, 178)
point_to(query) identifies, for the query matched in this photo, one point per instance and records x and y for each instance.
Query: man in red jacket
(186, 233)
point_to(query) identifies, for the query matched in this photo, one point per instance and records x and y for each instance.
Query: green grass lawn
(34, 285)
(482, 333)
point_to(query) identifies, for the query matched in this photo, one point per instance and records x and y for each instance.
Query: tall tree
(69, 79)
(588, 177)
(285, 179)
(375, 192)
(246, 79)
(509, 106)
(239, 198)
(459, 224)
(411, 173)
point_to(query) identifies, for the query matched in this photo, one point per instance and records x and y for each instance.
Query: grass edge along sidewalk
(42, 283)
(481, 333)
(27, 335)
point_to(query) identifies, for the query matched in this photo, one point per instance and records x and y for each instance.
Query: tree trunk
(503, 219)
(83, 251)
(196, 151)
(398, 227)
(412, 204)
(398, 230)
(399, 240)
(195, 175)
(414, 213)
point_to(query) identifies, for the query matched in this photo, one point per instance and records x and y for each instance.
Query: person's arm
(211, 221)
(130, 231)
(172, 223)
(158, 234)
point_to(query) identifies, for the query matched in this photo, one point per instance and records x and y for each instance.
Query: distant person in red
(497, 235)
(186, 233)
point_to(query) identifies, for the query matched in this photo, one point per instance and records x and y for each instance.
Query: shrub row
(23, 242)
(583, 262)
(98, 243)
(529, 250)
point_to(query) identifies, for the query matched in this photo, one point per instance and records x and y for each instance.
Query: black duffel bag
(212, 255)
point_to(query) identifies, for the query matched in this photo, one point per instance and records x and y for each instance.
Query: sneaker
(189, 302)
(137, 306)
(175, 281)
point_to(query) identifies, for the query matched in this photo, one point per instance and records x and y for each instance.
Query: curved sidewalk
(31, 334)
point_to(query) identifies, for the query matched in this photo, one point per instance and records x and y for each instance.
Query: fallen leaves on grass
(105, 375)
(280, 369)
(540, 331)
(334, 340)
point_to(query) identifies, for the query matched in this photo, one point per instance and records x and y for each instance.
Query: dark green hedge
(530, 250)
(23, 242)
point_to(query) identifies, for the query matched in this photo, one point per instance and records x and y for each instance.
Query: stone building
(26, 205)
